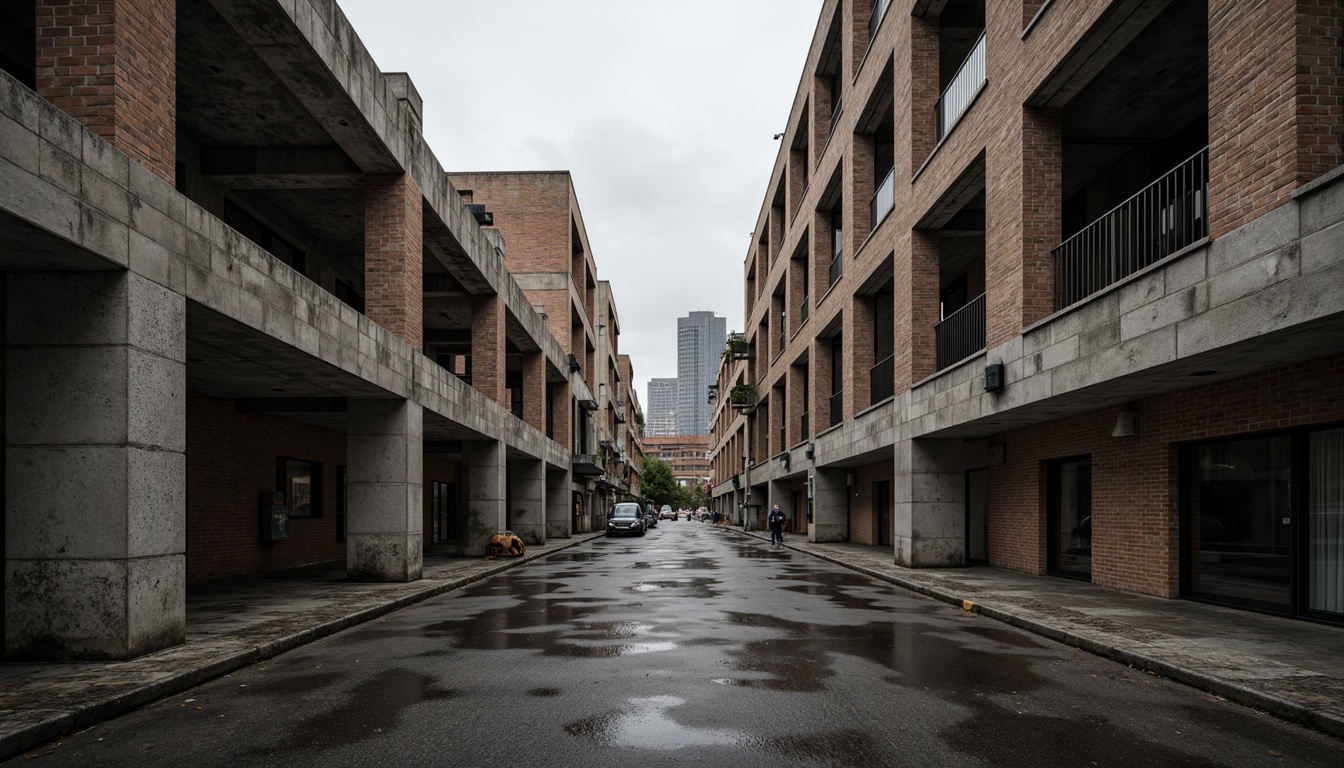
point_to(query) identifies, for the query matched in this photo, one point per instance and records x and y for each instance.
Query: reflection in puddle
(646, 725)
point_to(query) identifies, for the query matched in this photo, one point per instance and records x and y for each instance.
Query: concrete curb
(60, 723)
(1278, 706)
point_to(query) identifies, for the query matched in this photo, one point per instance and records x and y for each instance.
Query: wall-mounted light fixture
(1126, 422)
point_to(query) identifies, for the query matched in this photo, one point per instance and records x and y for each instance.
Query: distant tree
(659, 485)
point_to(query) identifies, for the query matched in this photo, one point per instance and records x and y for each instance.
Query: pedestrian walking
(776, 521)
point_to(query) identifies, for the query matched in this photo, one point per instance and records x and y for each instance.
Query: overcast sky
(663, 112)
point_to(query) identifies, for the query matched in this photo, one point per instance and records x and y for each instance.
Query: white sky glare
(663, 113)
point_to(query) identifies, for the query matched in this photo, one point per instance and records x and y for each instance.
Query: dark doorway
(977, 516)
(1069, 518)
(443, 512)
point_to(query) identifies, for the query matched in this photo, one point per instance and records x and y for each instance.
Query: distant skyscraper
(661, 416)
(700, 340)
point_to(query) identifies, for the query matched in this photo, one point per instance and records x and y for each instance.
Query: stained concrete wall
(95, 524)
(384, 490)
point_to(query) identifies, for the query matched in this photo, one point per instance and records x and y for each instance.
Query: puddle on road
(647, 726)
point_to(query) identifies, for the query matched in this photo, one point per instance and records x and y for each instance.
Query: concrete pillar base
(384, 491)
(527, 499)
(830, 506)
(929, 516)
(95, 466)
(487, 478)
(559, 516)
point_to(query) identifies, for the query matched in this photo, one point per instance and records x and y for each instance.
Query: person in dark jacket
(776, 521)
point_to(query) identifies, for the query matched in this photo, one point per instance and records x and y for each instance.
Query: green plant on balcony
(742, 396)
(736, 348)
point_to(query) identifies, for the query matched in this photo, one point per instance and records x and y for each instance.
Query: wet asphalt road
(690, 645)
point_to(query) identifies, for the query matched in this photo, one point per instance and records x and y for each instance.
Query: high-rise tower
(700, 340)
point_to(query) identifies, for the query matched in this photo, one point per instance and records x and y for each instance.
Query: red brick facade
(393, 259)
(231, 460)
(111, 64)
(1135, 480)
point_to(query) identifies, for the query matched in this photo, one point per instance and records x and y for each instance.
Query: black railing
(1161, 219)
(837, 407)
(961, 334)
(882, 380)
(804, 432)
(962, 90)
(884, 199)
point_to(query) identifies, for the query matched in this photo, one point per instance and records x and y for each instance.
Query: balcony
(882, 380)
(884, 199)
(960, 334)
(587, 465)
(962, 90)
(1161, 219)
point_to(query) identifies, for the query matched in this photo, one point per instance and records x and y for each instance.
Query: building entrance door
(1069, 518)
(882, 508)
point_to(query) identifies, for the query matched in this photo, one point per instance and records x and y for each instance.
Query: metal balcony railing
(803, 431)
(883, 199)
(837, 268)
(835, 112)
(960, 334)
(1162, 218)
(882, 380)
(959, 93)
(879, 10)
(803, 310)
(837, 407)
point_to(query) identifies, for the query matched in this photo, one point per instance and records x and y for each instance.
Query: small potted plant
(742, 397)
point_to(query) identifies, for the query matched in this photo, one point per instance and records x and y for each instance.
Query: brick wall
(863, 511)
(1135, 480)
(230, 461)
(532, 211)
(1320, 87)
(393, 256)
(111, 64)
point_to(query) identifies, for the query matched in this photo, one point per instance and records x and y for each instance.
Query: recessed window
(302, 483)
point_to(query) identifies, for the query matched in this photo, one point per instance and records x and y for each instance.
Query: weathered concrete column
(781, 494)
(112, 65)
(384, 490)
(487, 479)
(488, 347)
(527, 500)
(393, 256)
(95, 466)
(559, 514)
(830, 505)
(928, 521)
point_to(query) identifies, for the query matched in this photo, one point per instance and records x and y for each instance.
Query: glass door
(1238, 522)
(1069, 518)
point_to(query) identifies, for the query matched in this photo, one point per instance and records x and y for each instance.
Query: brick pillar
(385, 491)
(562, 413)
(487, 347)
(928, 521)
(112, 65)
(393, 261)
(534, 390)
(924, 93)
(1260, 81)
(527, 500)
(95, 466)
(559, 512)
(916, 310)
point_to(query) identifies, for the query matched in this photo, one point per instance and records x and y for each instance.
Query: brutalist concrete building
(1058, 286)
(248, 323)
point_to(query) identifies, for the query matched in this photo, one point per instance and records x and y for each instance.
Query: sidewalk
(1287, 667)
(230, 624)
